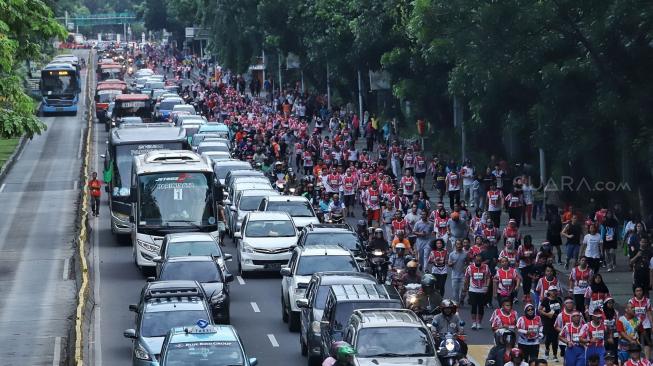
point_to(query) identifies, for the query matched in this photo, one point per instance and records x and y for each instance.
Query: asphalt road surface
(38, 203)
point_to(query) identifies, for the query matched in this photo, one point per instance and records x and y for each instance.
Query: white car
(265, 241)
(298, 207)
(245, 201)
(306, 261)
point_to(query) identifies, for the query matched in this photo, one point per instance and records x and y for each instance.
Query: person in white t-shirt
(592, 248)
(467, 173)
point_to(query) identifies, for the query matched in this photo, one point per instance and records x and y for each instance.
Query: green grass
(7, 146)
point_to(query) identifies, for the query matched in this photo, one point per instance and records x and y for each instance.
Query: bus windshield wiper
(189, 222)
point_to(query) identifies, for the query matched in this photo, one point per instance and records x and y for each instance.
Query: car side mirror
(302, 303)
(229, 277)
(285, 271)
(238, 235)
(227, 256)
(129, 333)
(151, 279)
(157, 260)
(324, 322)
(103, 156)
(232, 207)
(133, 307)
(253, 361)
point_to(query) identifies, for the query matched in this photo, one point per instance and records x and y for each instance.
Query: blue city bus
(60, 88)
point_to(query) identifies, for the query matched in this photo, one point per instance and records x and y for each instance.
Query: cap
(634, 347)
(605, 301)
(575, 313)
(528, 305)
(598, 313)
(553, 288)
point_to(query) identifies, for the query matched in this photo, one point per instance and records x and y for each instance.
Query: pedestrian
(642, 309)
(437, 263)
(579, 280)
(553, 229)
(477, 281)
(629, 328)
(595, 333)
(592, 248)
(550, 307)
(528, 200)
(457, 261)
(529, 333)
(422, 231)
(495, 201)
(572, 232)
(506, 281)
(608, 232)
(95, 188)
(453, 187)
(641, 265)
(571, 336)
(596, 294)
(515, 204)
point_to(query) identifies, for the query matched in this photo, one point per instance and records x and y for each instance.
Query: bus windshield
(175, 199)
(59, 82)
(137, 108)
(107, 96)
(124, 158)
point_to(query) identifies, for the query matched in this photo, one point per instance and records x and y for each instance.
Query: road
(39, 201)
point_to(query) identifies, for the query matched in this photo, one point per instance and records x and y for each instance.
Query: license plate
(59, 109)
(272, 266)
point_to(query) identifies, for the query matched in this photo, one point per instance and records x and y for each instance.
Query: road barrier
(82, 238)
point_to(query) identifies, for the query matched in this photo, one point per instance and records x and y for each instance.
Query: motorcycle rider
(427, 299)
(336, 208)
(516, 358)
(342, 355)
(499, 354)
(377, 241)
(291, 182)
(448, 321)
(410, 276)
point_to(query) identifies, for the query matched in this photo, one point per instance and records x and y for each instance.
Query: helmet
(411, 264)
(428, 280)
(400, 246)
(446, 303)
(344, 352)
(379, 230)
(516, 352)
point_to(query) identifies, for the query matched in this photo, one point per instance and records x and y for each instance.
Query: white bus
(171, 191)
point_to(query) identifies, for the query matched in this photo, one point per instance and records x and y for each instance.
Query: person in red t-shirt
(95, 188)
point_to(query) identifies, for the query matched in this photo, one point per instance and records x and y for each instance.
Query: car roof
(132, 97)
(387, 317)
(173, 284)
(223, 333)
(194, 258)
(364, 293)
(324, 249)
(259, 192)
(328, 228)
(268, 215)
(181, 237)
(159, 133)
(344, 278)
(287, 199)
(213, 143)
(175, 304)
(172, 99)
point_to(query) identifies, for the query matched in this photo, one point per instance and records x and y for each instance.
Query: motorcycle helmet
(428, 282)
(378, 231)
(345, 352)
(412, 264)
(334, 347)
(516, 353)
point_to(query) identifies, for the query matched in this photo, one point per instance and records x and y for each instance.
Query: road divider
(56, 358)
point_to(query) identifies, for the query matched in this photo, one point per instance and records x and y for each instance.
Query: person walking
(457, 261)
(94, 187)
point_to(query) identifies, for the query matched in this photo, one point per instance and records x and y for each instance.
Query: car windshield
(175, 199)
(319, 263)
(222, 170)
(345, 309)
(204, 353)
(393, 342)
(169, 104)
(107, 96)
(204, 148)
(250, 203)
(293, 208)
(158, 323)
(271, 228)
(192, 248)
(204, 271)
(346, 239)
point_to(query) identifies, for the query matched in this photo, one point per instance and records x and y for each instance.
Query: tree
(25, 26)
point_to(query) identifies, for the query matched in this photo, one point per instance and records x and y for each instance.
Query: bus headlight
(315, 327)
(148, 246)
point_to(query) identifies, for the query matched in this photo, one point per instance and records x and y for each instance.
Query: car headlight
(148, 246)
(247, 248)
(315, 327)
(300, 292)
(120, 215)
(218, 298)
(449, 345)
(141, 353)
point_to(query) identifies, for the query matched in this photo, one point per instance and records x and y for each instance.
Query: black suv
(341, 234)
(312, 307)
(343, 300)
(208, 273)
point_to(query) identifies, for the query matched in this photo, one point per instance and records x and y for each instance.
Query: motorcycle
(395, 279)
(280, 184)
(336, 218)
(318, 213)
(411, 297)
(378, 262)
(450, 351)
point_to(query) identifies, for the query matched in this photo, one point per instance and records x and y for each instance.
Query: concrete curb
(12, 158)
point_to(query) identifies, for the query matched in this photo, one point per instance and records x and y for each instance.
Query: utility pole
(301, 72)
(263, 62)
(279, 71)
(360, 95)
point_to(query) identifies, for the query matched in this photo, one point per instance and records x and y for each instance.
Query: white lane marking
(81, 144)
(21, 153)
(240, 280)
(66, 268)
(255, 307)
(56, 360)
(273, 340)
(2, 187)
(75, 185)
